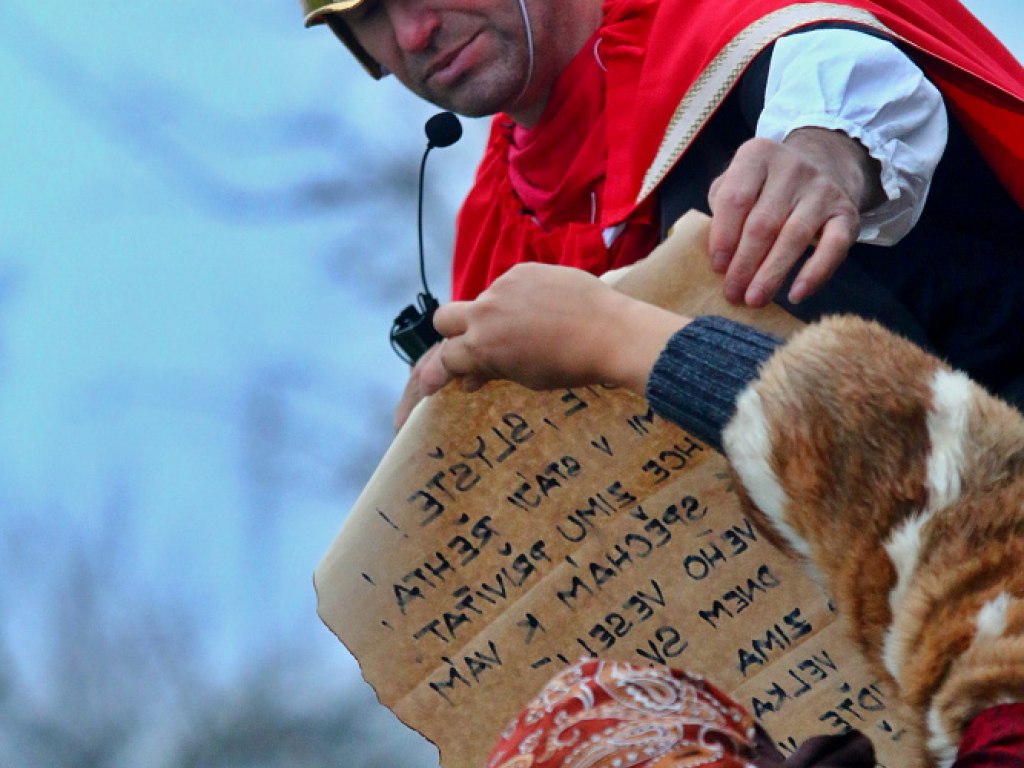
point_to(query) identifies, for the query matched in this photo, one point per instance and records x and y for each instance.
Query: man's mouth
(451, 65)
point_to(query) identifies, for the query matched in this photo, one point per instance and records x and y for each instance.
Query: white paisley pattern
(604, 714)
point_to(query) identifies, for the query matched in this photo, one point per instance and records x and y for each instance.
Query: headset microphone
(413, 332)
(443, 130)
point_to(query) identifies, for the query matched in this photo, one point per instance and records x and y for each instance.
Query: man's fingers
(760, 234)
(451, 359)
(460, 362)
(459, 359)
(452, 319)
(797, 232)
(430, 371)
(839, 233)
(426, 377)
(410, 397)
(757, 269)
(731, 198)
(767, 208)
(713, 192)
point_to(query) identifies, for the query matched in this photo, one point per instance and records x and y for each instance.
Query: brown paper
(507, 533)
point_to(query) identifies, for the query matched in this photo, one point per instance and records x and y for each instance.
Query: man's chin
(472, 100)
(474, 111)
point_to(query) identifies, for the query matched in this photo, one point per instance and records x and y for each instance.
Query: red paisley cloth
(650, 53)
(604, 714)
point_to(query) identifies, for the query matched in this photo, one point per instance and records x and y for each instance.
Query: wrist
(637, 335)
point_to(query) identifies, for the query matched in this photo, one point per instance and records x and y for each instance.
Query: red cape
(673, 64)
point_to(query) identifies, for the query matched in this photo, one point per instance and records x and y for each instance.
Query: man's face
(469, 56)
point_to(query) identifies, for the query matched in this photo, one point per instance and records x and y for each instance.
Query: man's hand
(775, 200)
(425, 378)
(534, 325)
(546, 327)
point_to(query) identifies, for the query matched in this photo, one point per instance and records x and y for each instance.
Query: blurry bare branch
(108, 655)
(138, 121)
(125, 683)
(262, 725)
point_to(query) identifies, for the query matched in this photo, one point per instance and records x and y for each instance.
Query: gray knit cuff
(702, 370)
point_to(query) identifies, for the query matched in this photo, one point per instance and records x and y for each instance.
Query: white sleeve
(866, 87)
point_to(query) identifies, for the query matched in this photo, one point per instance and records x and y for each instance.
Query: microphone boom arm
(413, 332)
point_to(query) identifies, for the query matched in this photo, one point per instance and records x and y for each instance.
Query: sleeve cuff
(847, 81)
(701, 372)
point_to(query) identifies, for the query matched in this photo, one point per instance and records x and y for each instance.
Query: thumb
(430, 373)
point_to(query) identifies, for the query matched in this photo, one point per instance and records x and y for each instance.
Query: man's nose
(414, 23)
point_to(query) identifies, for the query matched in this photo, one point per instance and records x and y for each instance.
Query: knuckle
(762, 226)
(848, 228)
(830, 192)
(486, 305)
(803, 230)
(738, 196)
(742, 272)
(520, 271)
(848, 211)
(757, 147)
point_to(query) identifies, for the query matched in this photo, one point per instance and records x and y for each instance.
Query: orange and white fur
(902, 483)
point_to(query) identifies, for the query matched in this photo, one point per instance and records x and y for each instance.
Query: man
(615, 117)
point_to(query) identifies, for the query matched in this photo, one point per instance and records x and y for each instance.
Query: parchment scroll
(507, 533)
